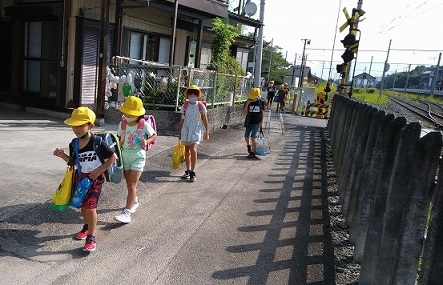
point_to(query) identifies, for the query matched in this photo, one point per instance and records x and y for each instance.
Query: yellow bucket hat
(80, 116)
(254, 93)
(193, 87)
(133, 106)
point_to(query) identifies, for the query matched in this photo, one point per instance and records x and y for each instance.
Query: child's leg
(89, 206)
(193, 156)
(188, 156)
(132, 177)
(253, 145)
(90, 218)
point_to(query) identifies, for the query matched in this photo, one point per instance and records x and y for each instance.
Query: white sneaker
(134, 206)
(124, 217)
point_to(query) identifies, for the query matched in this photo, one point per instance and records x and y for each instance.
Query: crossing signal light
(349, 40)
(342, 68)
(351, 44)
(347, 56)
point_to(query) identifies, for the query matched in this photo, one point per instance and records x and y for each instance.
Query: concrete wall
(386, 182)
(167, 121)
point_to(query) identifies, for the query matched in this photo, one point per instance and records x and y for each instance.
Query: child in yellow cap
(83, 155)
(193, 127)
(254, 110)
(133, 139)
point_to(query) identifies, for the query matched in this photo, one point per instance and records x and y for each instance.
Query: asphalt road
(243, 221)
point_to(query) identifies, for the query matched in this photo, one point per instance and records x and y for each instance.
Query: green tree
(224, 36)
(279, 65)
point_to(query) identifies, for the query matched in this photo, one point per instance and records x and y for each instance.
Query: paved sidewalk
(243, 221)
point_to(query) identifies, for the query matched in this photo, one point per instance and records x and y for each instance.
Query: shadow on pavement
(299, 220)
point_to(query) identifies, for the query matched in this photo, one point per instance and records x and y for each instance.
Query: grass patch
(371, 96)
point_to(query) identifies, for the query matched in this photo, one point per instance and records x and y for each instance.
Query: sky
(414, 26)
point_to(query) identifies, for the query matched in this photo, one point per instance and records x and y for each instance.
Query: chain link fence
(161, 86)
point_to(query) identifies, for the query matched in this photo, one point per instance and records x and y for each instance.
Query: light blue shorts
(133, 159)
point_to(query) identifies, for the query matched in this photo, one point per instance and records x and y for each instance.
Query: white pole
(258, 59)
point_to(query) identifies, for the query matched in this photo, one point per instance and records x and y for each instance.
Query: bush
(371, 90)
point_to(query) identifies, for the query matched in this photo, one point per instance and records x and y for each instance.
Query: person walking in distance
(83, 154)
(327, 90)
(133, 140)
(254, 110)
(270, 96)
(193, 127)
(280, 98)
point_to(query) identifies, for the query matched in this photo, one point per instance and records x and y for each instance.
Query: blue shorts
(252, 130)
(133, 159)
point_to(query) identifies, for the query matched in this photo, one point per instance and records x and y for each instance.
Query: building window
(40, 58)
(147, 47)
(205, 57)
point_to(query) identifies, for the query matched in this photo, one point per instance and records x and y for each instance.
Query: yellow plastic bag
(63, 194)
(178, 155)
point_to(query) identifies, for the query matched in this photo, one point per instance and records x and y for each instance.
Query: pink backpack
(141, 123)
(200, 105)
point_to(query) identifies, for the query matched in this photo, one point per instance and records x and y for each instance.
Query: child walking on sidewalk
(254, 110)
(133, 139)
(193, 122)
(82, 121)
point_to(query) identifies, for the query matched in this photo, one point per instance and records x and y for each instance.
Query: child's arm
(145, 142)
(246, 106)
(99, 170)
(206, 124)
(61, 153)
(180, 126)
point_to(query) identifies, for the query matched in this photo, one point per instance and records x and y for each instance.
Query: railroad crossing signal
(350, 42)
(351, 45)
(351, 20)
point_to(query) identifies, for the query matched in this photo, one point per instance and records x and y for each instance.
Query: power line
(379, 50)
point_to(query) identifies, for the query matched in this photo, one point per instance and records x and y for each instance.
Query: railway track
(427, 114)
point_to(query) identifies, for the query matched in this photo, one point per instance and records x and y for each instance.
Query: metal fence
(162, 86)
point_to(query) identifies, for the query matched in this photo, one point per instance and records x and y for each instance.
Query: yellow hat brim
(200, 93)
(75, 123)
(128, 111)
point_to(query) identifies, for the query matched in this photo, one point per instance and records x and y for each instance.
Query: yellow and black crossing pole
(350, 42)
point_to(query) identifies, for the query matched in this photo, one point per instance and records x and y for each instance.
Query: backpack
(146, 118)
(115, 172)
(200, 105)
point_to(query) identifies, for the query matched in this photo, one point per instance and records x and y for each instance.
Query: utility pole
(370, 67)
(322, 68)
(270, 59)
(102, 62)
(303, 63)
(333, 44)
(293, 71)
(258, 59)
(434, 80)
(385, 67)
(407, 78)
